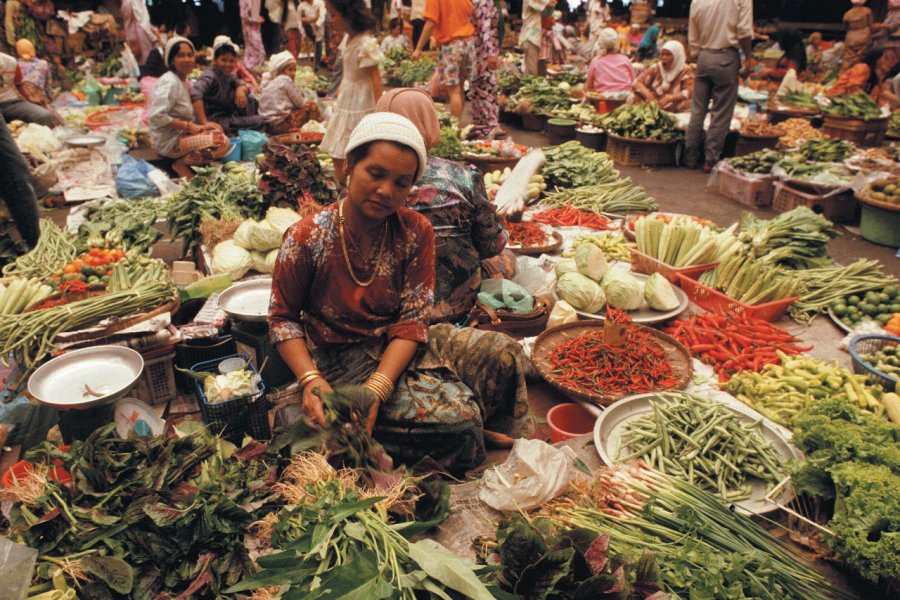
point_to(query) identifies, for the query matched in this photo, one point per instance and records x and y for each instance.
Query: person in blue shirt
(647, 48)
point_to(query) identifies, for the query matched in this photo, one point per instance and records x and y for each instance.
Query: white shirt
(719, 24)
(8, 68)
(316, 9)
(417, 10)
(531, 21)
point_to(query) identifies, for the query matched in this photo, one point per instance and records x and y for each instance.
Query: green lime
(872, 297)
(895, 307)
(883, 297)
(891, 291)
(883, 319)
(869, 309)
(882, 307)
(840, 310)
(854, 300)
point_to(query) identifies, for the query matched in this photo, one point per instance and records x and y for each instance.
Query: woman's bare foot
(180, 167)
(496, 439)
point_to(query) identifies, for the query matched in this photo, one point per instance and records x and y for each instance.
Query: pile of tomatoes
(94, 267)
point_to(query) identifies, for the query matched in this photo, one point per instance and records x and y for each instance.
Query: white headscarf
(607, 39)
(224, 40)
(277, 63)
(669, 75)
(171, 44)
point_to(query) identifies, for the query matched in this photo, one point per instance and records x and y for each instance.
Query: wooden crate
(746, 190)
(861, 133)
(641, 153)
(835, 206)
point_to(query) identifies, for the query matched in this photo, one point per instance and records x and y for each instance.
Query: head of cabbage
(260, 236)
(564, 266)
(583, 293)
(622, 290)
(660, 294)
(591, 262)
(281, 218)
(230, 258)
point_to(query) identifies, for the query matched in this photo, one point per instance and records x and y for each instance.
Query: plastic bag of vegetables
(234, 384)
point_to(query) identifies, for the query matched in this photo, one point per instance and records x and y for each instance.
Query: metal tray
(86, 140)
(837, 321)
(74, 379)
(644, 314)
(248, 300)
(610, 426)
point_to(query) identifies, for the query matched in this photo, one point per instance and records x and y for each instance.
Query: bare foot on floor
(495, 439)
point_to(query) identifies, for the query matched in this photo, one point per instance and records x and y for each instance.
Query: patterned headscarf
(417, 106)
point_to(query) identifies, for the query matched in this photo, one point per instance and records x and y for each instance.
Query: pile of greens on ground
(127, 224)
(642, 122)
(143, 517)
(449, 145)
(399, 68)
(210, 195)
(853, 462)
(538, 95)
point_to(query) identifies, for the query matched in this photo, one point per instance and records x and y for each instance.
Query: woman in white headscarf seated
(609, 71)
(670, 82)
(282, 104)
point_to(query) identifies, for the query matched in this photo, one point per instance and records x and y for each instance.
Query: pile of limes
(877, 305)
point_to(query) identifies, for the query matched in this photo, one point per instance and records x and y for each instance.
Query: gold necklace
(347, 254)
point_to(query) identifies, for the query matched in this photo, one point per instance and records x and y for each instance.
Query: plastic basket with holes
(237, 417)
(157, 383)
(865, 344)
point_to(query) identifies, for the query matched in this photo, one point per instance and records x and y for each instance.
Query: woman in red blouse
(352, 294)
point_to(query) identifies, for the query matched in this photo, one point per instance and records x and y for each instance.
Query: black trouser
(418, 25)
(15, 188)
(308, 30)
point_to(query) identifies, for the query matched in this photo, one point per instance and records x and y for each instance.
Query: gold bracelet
(308, 377)
(383, 385)
(381, 394)
(382, 378)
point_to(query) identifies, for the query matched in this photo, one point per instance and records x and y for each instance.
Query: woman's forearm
(296, 355)
(396, 358)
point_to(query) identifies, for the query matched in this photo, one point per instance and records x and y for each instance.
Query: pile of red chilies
(570, 216)
(588, 364)
(732, 342)
(526, 234)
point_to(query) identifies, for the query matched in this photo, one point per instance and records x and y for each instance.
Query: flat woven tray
(679, 358)
(865, 199)
(537, 250)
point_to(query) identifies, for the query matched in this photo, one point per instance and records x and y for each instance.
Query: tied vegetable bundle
(702, 442)
(780, 392)
(799, 99)
(797, 239)
(746, 278)
(734, 342)
(682, 242)
(588, 364)
(635, 534)
(142, 517)
(537, 95)
(855, 106)
(336, 540)
(616, 196)
(571, 165)
(641, 121)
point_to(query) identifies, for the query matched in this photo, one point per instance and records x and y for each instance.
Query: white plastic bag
(534, 473)
(510, 198)
(561, 314)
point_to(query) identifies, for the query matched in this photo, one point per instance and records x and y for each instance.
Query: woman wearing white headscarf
(609, 71)
(859, 21)
(284, 107)
(670, 82)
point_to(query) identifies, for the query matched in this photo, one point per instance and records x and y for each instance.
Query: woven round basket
(537, 250)
(679, 357)
(866, 199)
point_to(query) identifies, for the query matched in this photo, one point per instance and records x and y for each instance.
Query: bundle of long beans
(824, 285)
(698, 541)
(29, 336)
(52, 252)
(619, 196)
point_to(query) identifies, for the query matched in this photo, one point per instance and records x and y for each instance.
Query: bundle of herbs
(130, 221)
(142, 517)
(337, 540)
(291, 175)
(797, 239)
(701, 548)
(232, 193)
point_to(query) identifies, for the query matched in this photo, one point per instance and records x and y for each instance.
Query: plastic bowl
(569, 420)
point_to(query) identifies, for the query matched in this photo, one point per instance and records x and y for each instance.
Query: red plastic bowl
(569, 420)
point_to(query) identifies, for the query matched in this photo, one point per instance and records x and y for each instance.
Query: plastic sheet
(16, 567)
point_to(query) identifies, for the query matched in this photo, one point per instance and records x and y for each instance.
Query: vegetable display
(703, 442)
(588, 364)
(832, 286)
(878, 303)
(856, 106)
(618, 197)
(449, 146)
(760, 128)
(20, 294)
(734, 342)
(852, 464)
(537, 95)
(760, 162)
(825, 150)
(746, 278)
(568, 216)
(143, 517)
(291, 175)
(53, 250)
(780, 392)
(612, 243)
(682, 242)
(799, 99)
(495, 179)
(886, 360)
(571, 165)
(526, 234)
(797, 239)
(797, 131)
(128, 223)
(641, 121)
(885, 191)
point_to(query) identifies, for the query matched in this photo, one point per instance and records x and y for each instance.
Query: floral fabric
(466, 230)
(483, 92)
(315, 297)
(677, 98)
(254, 51)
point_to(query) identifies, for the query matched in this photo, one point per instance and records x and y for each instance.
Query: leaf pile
(797, 239)
(449, 146)
(291, 175)
(538, 95)
(146, 516)
(642, 122)
(131, 221)
(231, 193)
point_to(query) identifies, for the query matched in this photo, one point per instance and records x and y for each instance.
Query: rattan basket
(679, 358)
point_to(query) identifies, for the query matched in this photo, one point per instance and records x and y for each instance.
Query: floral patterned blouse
(677, 98)
(314, 296)
(466, 230)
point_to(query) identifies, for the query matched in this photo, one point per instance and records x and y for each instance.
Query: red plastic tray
(714, 300)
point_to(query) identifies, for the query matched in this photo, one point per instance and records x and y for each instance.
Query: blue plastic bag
(251, 143)
(132, 180)
(234, 154)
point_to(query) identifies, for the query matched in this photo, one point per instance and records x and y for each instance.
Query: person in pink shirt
(609, 71)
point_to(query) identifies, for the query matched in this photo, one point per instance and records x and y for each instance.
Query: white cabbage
(230, 258)
(622, 290)
(660, 294)
(583, 293)
(591, 262)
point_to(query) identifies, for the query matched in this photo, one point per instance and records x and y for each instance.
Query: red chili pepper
(734, 342)
(526, 234)
(568, 216)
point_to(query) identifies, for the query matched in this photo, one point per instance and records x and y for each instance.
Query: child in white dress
(361, 83)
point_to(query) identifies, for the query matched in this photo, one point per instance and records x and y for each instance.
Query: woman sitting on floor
(352, 294)
(670, 82)
(173, 127)
(466, 227)
(861, 77)
(609, 71)
(284, 107)
(219, 96)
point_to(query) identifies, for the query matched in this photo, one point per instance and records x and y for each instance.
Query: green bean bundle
(703, 442)
(620, 197)
(54, 250)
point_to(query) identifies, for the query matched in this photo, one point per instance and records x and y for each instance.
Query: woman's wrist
(380, 385)
(308, 377)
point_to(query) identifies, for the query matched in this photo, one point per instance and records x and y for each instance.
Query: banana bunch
(494, 180)
(21, 294)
